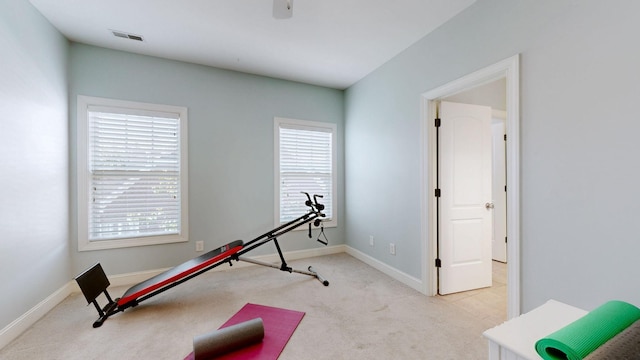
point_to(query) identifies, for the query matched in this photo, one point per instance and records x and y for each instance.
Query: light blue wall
(231, 161)
(34, 212)
(579, 86)
(579, 150)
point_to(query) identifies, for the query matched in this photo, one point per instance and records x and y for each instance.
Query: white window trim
(83, 175)
(333, 222)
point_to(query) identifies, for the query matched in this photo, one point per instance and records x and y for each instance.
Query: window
(132, 174)
(305, 161)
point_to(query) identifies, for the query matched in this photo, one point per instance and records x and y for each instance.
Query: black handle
(308, 202)
(319, 206)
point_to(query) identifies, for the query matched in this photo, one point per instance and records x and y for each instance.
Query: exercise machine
(94, 282)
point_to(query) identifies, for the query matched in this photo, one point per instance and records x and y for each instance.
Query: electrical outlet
(199, 245)
(370, 240)
(392, 248)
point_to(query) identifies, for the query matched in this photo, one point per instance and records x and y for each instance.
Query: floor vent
(125, 35)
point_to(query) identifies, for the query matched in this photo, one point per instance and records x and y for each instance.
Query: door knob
(488, 205)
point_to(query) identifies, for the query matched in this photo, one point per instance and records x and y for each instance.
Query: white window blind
(306, 163)
(132, 173)
(134, 159)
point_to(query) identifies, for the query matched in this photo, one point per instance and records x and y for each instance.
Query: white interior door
(465, 211)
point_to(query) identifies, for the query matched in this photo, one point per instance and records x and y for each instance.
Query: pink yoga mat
(279, 325)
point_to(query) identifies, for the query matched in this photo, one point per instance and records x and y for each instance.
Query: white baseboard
(137, 277)
(18, 326)
(133, 278)
(292, 255)
(21, 324)
(396, 274)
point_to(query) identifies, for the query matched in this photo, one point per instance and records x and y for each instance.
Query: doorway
(509, 71)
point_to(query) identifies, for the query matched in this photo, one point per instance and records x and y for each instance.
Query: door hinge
(438, 263)
(437, 193)
(505, 239)
(505, 188)
(437, 122)
(505, 137)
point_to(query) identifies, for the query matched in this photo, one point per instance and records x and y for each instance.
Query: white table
(516, 338)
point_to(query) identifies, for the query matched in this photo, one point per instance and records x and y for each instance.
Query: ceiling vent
(282, 9)
(124, 35)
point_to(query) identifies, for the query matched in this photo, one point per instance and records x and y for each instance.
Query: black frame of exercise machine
(315, 215)
(93, 281)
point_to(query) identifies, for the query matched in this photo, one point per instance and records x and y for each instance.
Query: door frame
(502, 175)
(508, 69)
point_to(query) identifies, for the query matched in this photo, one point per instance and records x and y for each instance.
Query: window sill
(130, 242)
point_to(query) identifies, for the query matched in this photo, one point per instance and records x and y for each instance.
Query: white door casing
(465, 211)
(509, 69)
(499, 245)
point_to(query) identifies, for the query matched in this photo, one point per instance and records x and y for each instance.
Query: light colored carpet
(362, 314)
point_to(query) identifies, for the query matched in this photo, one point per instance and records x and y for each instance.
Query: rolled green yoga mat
(583, 336)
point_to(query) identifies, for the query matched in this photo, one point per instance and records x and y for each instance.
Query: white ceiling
(327, 42)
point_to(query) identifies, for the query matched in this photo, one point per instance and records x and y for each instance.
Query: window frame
(84, 175)
(308, 125)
